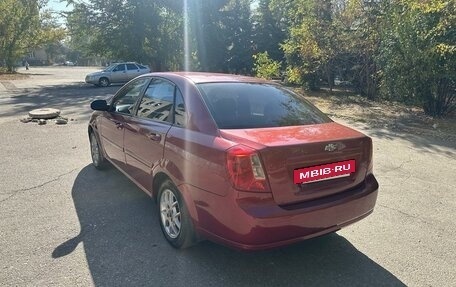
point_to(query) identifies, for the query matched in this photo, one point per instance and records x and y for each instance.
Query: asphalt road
(63, 223)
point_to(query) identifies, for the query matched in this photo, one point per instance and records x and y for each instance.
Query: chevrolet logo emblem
(330, 147)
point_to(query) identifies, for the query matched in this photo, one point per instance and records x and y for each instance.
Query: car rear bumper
(253, 221)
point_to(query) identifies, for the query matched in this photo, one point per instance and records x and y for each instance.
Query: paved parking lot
(63, 223)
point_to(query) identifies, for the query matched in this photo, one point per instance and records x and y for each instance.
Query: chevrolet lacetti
(238, 160)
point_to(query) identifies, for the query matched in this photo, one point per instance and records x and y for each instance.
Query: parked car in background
(238, 160)
(68, 63)
(117, 73)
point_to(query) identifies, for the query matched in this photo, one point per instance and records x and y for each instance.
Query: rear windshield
(253, 105)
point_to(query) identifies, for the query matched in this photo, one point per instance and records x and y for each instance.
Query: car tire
(175, 221)
(104, 82)
(98, 159)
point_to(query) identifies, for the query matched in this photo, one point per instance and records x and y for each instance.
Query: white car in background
(117, 73)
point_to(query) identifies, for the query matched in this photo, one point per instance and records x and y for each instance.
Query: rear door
(145, 134)
(132, 71)
(112, 124)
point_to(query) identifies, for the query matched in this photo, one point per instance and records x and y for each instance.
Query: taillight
(245, 169)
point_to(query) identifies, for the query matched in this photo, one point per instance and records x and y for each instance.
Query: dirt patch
(381, 114)
(14, 76)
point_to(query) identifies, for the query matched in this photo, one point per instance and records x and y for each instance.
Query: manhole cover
(45, 113)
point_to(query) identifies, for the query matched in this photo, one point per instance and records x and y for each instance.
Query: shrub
(264, 67)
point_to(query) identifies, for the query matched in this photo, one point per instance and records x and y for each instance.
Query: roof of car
(116, 63)
(204, 77)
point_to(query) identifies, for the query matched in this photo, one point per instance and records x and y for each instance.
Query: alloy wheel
(170, 213)
(104, 82)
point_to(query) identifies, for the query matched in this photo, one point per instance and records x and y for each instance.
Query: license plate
(324, 171)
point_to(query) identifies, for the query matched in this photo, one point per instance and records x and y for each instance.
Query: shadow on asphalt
(424, 141)
(390, 121)
(124, 247)
(74, 96)
(421, 143)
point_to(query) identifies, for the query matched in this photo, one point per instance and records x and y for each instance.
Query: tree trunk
(329, 77)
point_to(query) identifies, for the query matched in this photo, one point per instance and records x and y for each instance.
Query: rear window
(255, 105)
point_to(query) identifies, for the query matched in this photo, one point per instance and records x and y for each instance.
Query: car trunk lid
(285, 150)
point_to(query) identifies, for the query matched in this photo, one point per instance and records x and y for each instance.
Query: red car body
(236, 184)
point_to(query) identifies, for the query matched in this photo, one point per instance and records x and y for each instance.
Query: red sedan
(238, 160)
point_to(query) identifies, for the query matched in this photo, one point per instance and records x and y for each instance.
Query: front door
(119, 74)
(112, 125)
(112, 134)
(145, 135)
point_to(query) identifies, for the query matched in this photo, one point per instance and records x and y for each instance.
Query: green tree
(152, 32)
(56, 52)
(268, 32)
(24, 25)
(359, 24)
(236, 27)
(221, 31)
(265, 67)
(312, 44)
(330, 38)
(418, 54)
(138, 30)
(206, 30)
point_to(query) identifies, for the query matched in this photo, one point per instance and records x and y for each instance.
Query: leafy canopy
(25, 25)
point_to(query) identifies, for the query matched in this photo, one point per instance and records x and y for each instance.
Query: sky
(58, 6)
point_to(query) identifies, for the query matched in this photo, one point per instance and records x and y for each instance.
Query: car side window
(119, 68)
(131, 67)
(125, 101)
(180, 117)
(157, 102)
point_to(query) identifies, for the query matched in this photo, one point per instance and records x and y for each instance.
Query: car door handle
(154, 137)
(119, 125)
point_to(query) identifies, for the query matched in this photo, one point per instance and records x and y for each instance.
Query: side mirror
(99, 105)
